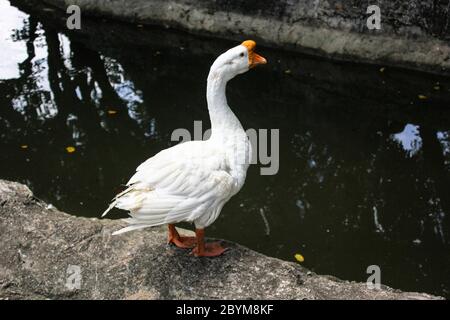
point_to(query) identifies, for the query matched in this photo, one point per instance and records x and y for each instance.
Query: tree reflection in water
(364, 164)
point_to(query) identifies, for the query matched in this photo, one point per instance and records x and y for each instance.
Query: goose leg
(179, 241)
(212, 249)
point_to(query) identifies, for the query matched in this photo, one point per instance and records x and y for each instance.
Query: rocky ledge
(48, 254)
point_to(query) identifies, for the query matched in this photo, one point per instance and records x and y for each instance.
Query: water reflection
(409, 139)
(13, 50)
(444, 139)
(364, 165)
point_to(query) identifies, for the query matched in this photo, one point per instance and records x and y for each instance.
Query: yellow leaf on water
(436, 88)
(382, 69)
(70, 149)
(24, 146)
(299, 257)
(288, 71)
(112, 111)
(422, 97)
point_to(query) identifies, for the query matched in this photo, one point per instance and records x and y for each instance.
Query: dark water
(364, 173)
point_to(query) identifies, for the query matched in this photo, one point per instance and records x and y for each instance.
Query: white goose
(192, 181)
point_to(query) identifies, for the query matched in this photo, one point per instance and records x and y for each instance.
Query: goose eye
(242, 54)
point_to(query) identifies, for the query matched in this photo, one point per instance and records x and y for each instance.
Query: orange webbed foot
(212, 249)
(180, 241)
(183, 242)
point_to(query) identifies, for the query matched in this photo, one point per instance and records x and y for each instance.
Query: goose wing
(178, 184)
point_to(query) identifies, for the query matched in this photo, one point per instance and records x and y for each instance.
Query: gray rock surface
(42, 249)
(414, 33)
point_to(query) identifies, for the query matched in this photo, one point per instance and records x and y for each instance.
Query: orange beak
(254, 59)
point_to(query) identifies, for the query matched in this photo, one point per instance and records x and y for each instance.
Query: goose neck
(222, 118)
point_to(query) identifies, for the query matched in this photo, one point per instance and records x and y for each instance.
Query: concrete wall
(414, 33)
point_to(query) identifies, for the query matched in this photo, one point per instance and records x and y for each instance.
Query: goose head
(237, 60)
